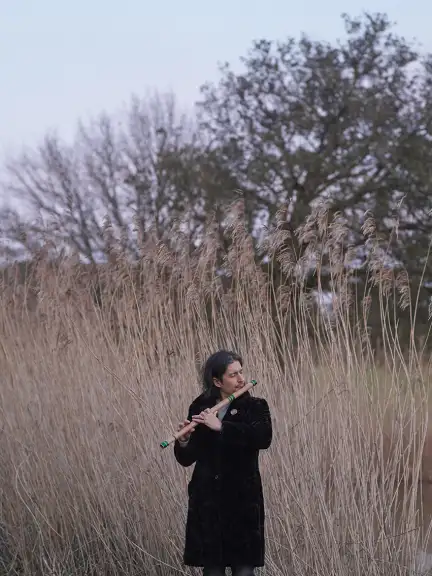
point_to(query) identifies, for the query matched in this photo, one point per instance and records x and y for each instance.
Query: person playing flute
(225, 520)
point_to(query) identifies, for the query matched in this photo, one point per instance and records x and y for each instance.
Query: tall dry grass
(98, 367)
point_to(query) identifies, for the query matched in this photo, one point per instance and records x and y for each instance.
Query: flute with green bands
(215, 408)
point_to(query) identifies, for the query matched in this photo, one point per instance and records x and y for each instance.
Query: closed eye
(236, 373)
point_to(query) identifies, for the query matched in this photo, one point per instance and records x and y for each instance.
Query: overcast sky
(61, 61)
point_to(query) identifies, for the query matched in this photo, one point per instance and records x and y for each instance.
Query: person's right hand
(186, 437)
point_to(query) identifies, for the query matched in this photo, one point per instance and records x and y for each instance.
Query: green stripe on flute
(231, 398)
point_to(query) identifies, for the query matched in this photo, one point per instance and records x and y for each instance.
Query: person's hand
(209, 419)
(186, 437)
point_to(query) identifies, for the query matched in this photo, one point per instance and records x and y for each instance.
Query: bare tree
(125, 173)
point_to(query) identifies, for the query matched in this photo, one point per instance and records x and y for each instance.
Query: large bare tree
(127, 172)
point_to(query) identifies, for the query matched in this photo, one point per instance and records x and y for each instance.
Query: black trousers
(236, 571)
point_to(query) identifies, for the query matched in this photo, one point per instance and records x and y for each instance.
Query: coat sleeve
(187, 455)
(255, 432)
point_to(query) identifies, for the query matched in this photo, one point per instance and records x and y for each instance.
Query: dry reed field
(98, 366)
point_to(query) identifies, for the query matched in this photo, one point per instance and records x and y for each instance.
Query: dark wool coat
(225, 521)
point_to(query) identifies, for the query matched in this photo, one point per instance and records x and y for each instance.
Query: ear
(217, 382)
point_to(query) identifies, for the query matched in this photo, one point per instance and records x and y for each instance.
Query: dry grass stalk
(98, 365)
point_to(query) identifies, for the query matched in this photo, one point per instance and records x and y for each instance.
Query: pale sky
(61, 61)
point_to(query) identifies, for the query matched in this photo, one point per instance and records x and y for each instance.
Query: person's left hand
(209, 419)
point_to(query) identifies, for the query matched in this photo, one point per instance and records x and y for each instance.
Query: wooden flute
(215, 408)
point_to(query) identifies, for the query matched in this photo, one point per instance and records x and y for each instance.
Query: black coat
(225, 521)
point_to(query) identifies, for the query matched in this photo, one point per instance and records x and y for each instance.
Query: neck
(218, 393)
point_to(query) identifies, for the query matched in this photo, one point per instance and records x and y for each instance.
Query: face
(232, 380)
